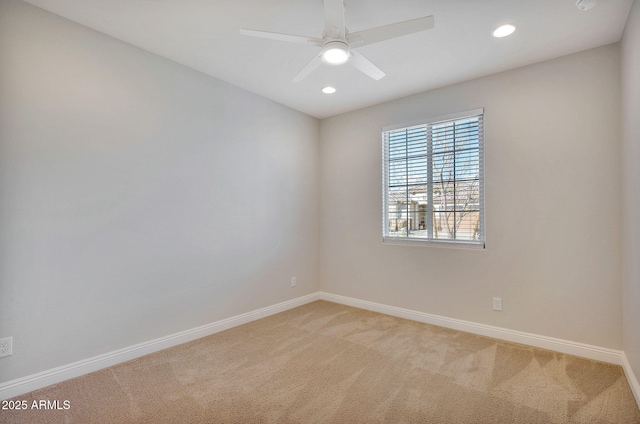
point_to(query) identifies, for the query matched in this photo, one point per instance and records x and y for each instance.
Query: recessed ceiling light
(328, 90)
(504, 30)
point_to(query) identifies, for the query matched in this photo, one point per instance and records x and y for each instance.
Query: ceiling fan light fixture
(335, 52)
(504, 30)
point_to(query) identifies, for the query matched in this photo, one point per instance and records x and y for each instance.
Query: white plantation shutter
(433, 181)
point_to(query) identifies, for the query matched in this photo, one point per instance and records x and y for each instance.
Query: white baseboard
(631, 378)
(37, 381)
(56, 375)
(573, 348)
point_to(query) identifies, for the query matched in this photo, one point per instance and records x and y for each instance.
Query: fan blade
(308, 68)
(334, 25)
(363, 64)
(387, 32)
(299, 39)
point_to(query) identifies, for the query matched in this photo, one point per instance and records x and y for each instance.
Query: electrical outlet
(6, 346)
(294, 282)
(497, 304)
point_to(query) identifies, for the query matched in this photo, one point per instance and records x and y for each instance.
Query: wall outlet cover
(497, 304)
(6, 346)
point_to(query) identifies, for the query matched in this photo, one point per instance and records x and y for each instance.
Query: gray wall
(552, 134)
(631, 189)
(139, 198)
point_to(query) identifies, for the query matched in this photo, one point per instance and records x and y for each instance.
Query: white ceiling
(204, 35)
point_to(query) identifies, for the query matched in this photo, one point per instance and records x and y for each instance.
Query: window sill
(408, 241)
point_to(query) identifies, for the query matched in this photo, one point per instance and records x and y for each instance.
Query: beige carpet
(326, 363)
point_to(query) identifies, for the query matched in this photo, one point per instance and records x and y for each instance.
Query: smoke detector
(585, 4)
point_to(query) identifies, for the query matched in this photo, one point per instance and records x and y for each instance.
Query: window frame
(423, 241)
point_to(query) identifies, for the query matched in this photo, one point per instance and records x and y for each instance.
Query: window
(433, 188)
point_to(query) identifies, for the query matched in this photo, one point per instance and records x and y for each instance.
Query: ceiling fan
(337, 44)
